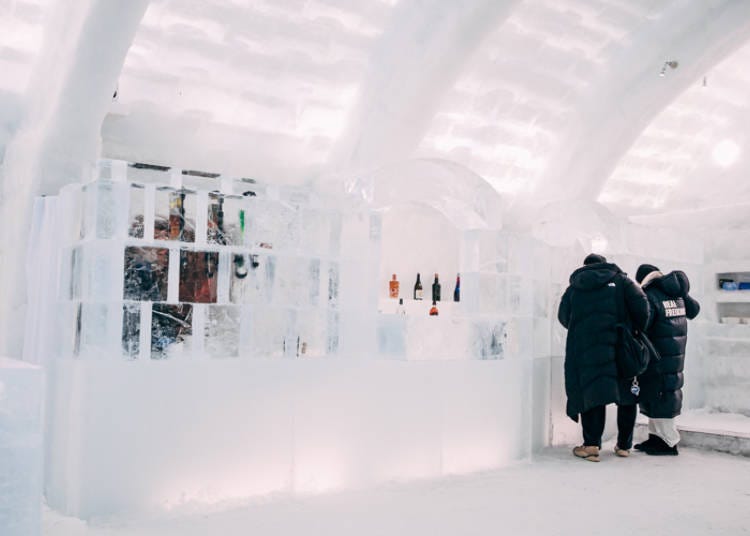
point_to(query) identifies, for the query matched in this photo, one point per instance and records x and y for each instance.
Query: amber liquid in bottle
(393, 287)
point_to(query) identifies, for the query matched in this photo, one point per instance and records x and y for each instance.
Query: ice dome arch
(521, 91)
(671, 168)
(459, 194)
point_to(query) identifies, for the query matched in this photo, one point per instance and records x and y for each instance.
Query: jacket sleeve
(692, 307)
(563, 312)
(637, 304)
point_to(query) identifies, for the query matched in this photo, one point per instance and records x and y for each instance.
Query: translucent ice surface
(21, 448)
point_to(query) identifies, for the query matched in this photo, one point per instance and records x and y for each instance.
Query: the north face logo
(610, 284)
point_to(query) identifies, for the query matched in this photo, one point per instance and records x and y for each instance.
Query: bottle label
(394, 288)
(418, 294)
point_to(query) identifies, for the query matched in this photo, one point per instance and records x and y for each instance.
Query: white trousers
(665, 429)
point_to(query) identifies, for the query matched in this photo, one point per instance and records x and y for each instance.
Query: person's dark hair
(644, 270)
(593, 258)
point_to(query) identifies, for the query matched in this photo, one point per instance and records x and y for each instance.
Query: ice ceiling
(544, 99)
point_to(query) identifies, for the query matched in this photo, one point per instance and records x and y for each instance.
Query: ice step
(721, 432)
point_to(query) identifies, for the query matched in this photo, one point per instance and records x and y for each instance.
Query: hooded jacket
(589, 311)
(671, 306)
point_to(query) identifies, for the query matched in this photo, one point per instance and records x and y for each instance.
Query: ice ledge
(8, 363)
(721, 432)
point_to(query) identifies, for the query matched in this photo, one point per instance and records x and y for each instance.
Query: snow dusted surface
(695, 493)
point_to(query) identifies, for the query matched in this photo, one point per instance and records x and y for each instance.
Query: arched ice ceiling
(272, 87)
(672, 166)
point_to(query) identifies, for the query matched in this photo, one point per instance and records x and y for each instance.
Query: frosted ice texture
(222, 331)
(278, 257)
(21, 458)
(238, 428)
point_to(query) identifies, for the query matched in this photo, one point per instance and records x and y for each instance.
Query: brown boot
(622, 453)
(587, 453)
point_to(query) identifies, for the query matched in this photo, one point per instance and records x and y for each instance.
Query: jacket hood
(675, 284)
(594, 275)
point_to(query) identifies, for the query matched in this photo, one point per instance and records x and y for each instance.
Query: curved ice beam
(466, 199)
(58, 138)
(416, 60)
(633, 93)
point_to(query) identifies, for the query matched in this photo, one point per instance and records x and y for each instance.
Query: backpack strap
(622, 316)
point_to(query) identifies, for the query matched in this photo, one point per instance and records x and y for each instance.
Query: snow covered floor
(694, 493)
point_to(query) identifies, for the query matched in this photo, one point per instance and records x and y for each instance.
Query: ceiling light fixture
(672, 64)
(725, 153)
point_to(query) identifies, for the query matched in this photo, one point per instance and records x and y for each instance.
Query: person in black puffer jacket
(589, 310)
(661, 384)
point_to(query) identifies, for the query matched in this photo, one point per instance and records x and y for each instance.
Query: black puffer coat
(589, 310)
(671, 307)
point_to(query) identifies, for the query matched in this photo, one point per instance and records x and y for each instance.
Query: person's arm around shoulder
(563, 312)
(637, 304)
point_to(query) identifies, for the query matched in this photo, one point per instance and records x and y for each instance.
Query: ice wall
(21, 447)
(156, 435)
(725, 359)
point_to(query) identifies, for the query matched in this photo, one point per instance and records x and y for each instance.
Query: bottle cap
(394, 277)
(400, 301)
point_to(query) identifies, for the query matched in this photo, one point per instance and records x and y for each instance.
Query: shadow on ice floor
(695, 493)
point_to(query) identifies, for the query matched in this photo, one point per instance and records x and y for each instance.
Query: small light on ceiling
(672, 64)
(725, 153)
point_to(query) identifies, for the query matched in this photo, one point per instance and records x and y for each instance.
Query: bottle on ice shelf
(436, 290)
(393, 287)
(176, 215)
(457, 290)
(401, 310)
(418, 292)
(434, 309)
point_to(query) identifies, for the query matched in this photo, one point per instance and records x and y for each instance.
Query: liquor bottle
(457, 290)
(176, 215)
(393, 287)
(436, 290)
(418, 294)
(434, 309)
(401, 310)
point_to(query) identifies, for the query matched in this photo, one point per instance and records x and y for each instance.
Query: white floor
(694, 493)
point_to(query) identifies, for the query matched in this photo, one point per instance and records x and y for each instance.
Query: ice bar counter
(220, 339)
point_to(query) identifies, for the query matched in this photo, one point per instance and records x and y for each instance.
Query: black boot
(646, 444)
(660, 448)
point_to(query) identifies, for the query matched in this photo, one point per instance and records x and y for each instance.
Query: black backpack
(634, 349)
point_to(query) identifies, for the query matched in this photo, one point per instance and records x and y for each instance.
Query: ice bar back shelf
(151, 270)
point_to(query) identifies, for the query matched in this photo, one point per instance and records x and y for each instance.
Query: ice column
(20, 448)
